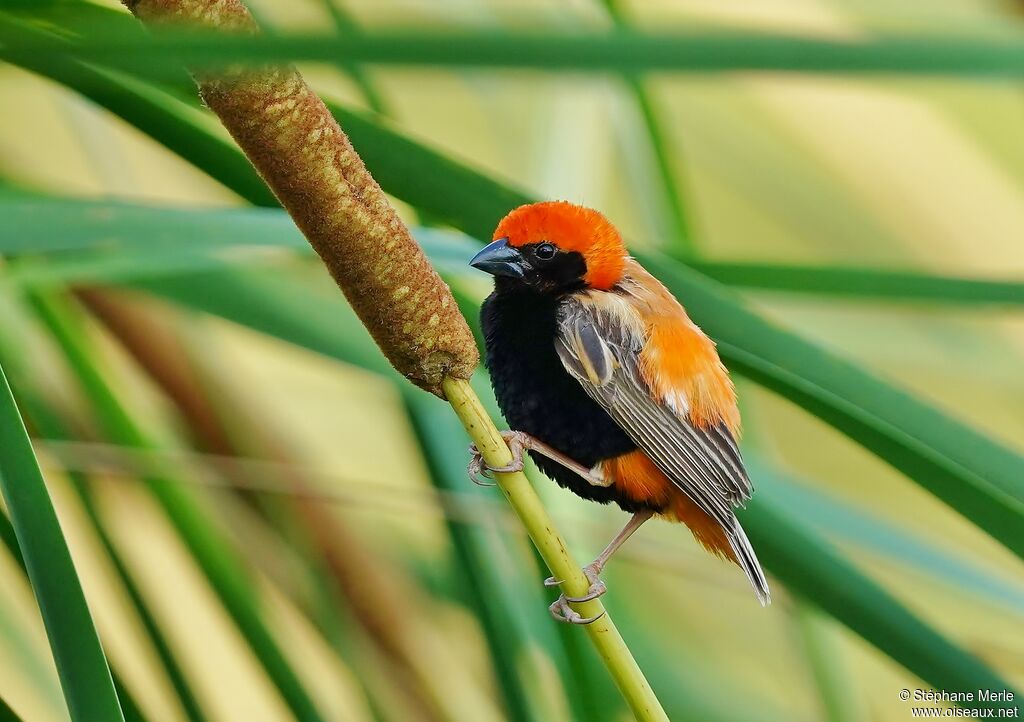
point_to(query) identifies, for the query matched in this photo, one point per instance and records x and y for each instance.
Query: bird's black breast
(538, 396)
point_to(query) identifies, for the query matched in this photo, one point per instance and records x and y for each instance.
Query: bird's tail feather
(747, 560)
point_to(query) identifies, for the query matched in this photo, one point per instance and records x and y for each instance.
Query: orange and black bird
(615, 393)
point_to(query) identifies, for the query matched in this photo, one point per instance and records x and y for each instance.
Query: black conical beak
(500, 259)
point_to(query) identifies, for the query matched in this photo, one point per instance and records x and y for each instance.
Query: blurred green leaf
(885, 285)
(703, 692)
(81, 664)
(344, 23)
(6, 713)
(997, 55)
(196, 239)
(395, 160)
(50, 426)
(831, 674)
(10, 540)
(844, 522)
(170, 122)
(39, 224)
(677, 216)
(129, 707)
(214, 555)
(811, 568)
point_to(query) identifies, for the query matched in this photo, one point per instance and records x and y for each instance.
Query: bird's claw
(597, 586)
(478, 467)
(562, 612)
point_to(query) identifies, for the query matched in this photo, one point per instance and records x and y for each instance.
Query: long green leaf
(41, 224)
(81, 664)
(7, 714)
(840, 521)
(394, 159)
(870, 283)
(129, 707)
(1001, 55)
(344, 23)
(840, 700)
(179, 239)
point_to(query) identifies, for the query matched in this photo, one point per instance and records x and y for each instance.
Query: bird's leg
(595, 567)
(518, 442)
(560, 609)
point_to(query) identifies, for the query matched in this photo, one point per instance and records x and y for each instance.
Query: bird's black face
(539, 267)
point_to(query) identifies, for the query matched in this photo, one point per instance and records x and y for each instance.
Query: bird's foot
(517, 443)
(597, 586)
(561, 610)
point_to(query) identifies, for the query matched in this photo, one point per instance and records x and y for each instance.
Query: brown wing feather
(600, 345)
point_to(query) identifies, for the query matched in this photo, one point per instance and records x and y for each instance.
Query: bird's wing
(619, 346)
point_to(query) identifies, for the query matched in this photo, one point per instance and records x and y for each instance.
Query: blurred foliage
(267, 533)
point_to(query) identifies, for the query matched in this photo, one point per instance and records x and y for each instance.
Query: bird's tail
(747, 560)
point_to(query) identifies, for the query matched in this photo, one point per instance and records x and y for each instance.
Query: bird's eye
(545, 251)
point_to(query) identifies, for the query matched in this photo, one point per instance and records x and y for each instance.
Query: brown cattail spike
(306, 159)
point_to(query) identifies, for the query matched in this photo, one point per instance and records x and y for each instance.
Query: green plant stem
(509, 630)
(527, 505)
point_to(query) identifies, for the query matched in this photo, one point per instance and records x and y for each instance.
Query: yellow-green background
(883, 171)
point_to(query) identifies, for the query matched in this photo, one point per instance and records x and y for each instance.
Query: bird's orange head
(555, 246)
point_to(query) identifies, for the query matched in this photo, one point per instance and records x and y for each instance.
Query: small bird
(614, 392)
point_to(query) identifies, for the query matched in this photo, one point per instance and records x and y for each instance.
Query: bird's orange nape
(570, 228)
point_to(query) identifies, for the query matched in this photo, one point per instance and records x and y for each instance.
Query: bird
(609, 386)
